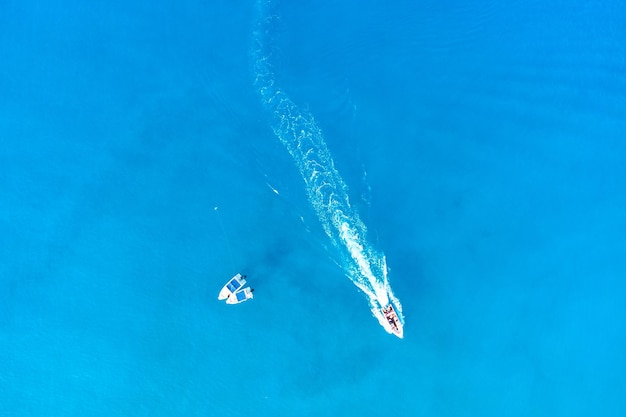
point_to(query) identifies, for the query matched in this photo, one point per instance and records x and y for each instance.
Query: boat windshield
(241, 296)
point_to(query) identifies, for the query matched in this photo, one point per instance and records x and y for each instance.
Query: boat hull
(393, 321)
(240, 296)
(233, 285)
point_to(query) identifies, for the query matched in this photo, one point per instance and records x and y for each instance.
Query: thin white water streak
(326, 189)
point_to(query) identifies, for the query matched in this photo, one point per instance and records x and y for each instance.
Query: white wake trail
(326, 190)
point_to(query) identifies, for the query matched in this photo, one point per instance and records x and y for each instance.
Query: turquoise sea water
(482, 145)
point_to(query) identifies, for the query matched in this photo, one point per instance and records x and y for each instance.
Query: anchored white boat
(240, 296)
(394, 322)
(235, 284)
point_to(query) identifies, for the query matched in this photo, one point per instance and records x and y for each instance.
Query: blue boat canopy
(233, 285)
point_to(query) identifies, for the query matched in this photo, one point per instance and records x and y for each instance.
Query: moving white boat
(394, 322)
(240, 296)
(235, 284)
